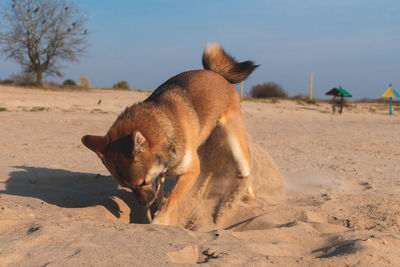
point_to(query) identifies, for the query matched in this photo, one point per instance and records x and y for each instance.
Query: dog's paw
(160, 220)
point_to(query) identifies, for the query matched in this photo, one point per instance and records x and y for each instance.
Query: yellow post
(311, 86)
(241, 90)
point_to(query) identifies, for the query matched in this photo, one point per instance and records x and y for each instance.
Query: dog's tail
(217, 60)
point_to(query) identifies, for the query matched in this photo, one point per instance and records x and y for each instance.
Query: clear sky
(353, 43)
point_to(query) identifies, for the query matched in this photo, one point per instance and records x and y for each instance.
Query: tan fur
(161, 135)
(216, 59)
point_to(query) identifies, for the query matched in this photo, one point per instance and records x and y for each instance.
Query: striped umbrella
(390, 93)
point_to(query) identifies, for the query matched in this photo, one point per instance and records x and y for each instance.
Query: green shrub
(266, 90)
(35, 109)
(301, 97)
(122, 85)
(22, 79)
(69, 82)
(7, 81)
(304, 98)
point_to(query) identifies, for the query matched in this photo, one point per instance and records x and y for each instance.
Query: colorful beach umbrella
(340, 92)
(390, 93)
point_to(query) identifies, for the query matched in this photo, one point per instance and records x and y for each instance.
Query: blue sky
(354, 43)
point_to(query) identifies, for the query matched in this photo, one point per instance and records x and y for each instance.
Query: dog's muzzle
(147, 194)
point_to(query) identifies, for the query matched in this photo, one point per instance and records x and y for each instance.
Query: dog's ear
(139, 142)
(96, 143)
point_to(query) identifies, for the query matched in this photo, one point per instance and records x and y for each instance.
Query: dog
(161, 135)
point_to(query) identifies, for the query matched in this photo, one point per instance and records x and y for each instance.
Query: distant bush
(346, 103)
(301, 97)
(52, 84)
(371, 100)
(269, 89)
(23, 79)
(304, 98)
(122, 85)
(84, 81)
(69, 82)
(7, 81)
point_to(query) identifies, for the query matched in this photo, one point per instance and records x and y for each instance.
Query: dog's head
(132, 162)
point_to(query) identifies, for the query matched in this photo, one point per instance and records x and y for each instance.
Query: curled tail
(217, 60)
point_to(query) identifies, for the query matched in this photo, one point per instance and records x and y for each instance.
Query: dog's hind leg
(235, 131)
(234, 127)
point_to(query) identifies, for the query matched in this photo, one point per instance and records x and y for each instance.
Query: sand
(336, 205)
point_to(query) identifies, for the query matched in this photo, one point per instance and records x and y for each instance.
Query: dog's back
(208, 92)
(215, 61)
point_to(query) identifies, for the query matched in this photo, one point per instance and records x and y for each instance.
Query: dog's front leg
(183, 185)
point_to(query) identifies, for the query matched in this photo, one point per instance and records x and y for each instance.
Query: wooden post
(311, 80)
(341, 105)
(241, 90)
(334, 104)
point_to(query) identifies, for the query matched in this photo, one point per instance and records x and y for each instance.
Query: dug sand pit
(220, 199)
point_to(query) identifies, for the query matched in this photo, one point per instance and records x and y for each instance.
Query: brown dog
(161, 135)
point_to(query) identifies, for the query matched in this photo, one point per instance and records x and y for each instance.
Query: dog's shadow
(69, 189)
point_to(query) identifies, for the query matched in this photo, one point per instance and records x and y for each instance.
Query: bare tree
(39, 34)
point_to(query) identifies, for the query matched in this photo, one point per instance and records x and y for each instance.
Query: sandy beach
(340, 204)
